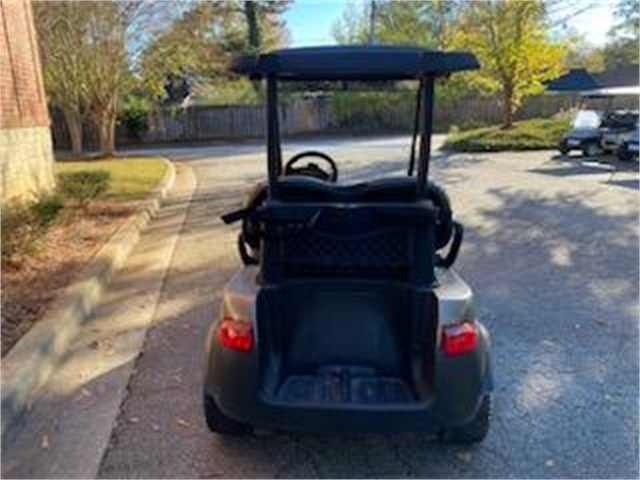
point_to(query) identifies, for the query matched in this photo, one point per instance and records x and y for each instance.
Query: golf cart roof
(353, 63)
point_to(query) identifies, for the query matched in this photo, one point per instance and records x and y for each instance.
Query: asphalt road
(552, 253)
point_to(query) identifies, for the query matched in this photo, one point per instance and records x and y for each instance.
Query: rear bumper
(569, 144)
(234, 382)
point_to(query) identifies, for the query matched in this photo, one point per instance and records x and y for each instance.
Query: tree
(581, 55)
(86, 49)
(425, 23)
(61, 36)
(202, 39)
(264, 29)
(622, 47)
(116, 31)
(510, 40)
(352, 26)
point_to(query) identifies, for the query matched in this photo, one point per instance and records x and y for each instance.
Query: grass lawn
(536, 134)
(131, 178)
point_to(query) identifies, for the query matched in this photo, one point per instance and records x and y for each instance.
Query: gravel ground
(552, 253)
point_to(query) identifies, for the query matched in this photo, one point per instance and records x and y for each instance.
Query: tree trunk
(508, 108)
(107, 131)
(74, 126)
(253, 33)
(253, 29)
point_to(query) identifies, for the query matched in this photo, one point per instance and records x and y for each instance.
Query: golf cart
(347, 315)
(617, 127)
(595, 132)
(584, 135)
(628, 150)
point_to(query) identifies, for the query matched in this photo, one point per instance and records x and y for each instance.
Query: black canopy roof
(353, 63)
(579, 80)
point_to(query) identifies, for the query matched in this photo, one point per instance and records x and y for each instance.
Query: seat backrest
(348, 240)
(298, 188)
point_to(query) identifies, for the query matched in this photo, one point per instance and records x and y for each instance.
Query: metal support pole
(274, 153)
(416, 130)
(428, 90)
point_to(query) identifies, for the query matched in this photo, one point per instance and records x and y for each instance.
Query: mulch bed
(31, 283)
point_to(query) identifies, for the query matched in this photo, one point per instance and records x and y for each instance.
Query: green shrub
(24, 225)
(47, 209)
(134, 117)
(536, 134)
(19, 230)
(83, 185)
(374, 110)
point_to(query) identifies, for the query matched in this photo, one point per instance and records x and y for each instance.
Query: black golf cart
(598, 131)
(628, 150)
(346, 315)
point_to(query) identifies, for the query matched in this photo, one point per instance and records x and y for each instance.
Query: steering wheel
(312, 169)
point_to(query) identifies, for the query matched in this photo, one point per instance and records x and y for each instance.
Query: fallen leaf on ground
(182, 422)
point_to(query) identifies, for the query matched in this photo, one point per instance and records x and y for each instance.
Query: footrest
(353, 385)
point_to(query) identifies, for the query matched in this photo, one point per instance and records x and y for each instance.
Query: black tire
(219, 423)
(473, 431)
(624, 154)
(591, 149)
(564, 148)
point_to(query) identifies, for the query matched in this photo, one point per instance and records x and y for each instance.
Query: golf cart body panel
(258, 398)
(584, 131)
(629, 147)
(347, 315)
(617, 127)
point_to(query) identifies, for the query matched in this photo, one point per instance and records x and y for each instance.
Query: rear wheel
(625, 154)
(475, 429)
(591, 149)
(219, 423)
(564, 148)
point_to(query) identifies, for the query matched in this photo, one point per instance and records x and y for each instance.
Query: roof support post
(416, 129)
(274, 152)
(427, 93)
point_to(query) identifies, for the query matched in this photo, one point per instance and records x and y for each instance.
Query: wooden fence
(316, 116)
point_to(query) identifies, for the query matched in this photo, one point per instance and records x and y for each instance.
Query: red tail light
(235, 334)
(460, 337)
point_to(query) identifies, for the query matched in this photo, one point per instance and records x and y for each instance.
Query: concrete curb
(30, 362)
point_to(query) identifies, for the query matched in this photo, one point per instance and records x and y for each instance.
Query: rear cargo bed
(347, 342)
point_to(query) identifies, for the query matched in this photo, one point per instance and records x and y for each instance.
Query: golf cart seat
(293, 189)
(302, 188)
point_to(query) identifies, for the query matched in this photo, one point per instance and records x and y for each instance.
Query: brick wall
(25, 148)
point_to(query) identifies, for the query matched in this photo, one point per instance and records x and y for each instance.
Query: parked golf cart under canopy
(607, 109)
(347, 318)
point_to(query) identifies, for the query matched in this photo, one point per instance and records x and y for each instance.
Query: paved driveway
(552, 252)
